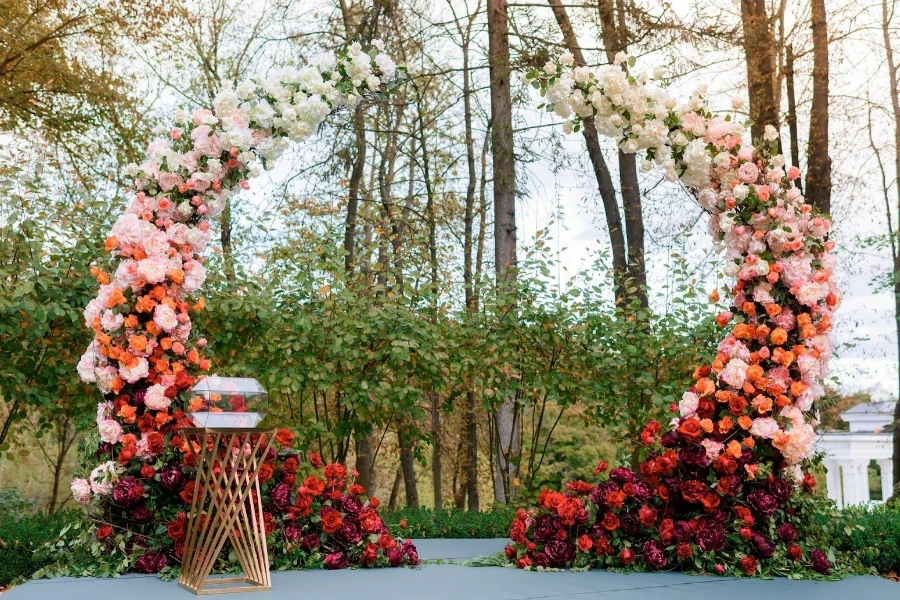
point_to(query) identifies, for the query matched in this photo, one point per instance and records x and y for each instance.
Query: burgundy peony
(310, 542)
(171, 478)
(545, 528)
(336, 560)
(151, 562)
(540, 559)
(820, 562)
(694, 455)
(763, 502)
(560, 553)
(280, 498)
(350, 531)
(351, 504)
(395, 556)
(787, 533)
(621, 475)
(412, 555)
(629, 524)
(762, 546)
(711, 537)
(123, 493)
(682, 531)
(781, 489)
(142, 514)
(654, 555)
(292, 532)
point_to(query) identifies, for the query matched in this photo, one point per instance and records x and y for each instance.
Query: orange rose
(331, 520)
(145, 304)
(745, 422)
(773, 310)
(742, 331)
(778, 336)
(754, 372)
(736, 405)
(690, 428)
(284, 437)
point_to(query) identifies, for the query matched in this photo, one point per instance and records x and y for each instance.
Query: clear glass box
(227, 402)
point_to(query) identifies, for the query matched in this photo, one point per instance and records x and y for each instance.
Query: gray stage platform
(448, 581)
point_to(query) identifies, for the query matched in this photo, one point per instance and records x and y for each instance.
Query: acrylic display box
(227, 402)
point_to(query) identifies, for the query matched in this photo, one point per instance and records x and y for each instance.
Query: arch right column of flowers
(722, 483)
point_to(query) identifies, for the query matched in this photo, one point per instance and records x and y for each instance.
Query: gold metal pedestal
(227, 505)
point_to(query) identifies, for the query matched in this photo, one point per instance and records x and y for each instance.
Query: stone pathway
(451, 582)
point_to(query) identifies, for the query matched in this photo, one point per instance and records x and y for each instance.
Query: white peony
(110, 431)
(81, 491)
(156, 398)
(104, 477)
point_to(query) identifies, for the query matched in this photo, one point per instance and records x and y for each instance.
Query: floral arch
(723, 489)
(144, 353)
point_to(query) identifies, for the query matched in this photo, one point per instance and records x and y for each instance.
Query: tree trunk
(395, 489)
(408, 465)
(818, 163)
(364, 463)
(356, 176)
(436, 452)
(225, 236)
(792, 112)
(509, 442)
(598, 163)
(759, 50)
(895, 105)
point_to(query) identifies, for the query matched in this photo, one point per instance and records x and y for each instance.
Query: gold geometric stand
(227, 506)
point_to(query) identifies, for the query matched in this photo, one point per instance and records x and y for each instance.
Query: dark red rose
(762, 546)
(561, 554)
(763, 502)
(610, 522)
(748, 564)
(103, 532)
(351, 504)
(683, 531)
(795, 553)
(336, 560)
(627, 556)
(654, 555)
(781, 489)
(511, 552)
(670, 439)
(395, 556)
(310, 542)
(736, 405)
(142, 514)
(820, 562)
(176, 530)
(693, 491)
(629, 524)
(150, 562)
(412, 555)
(787, 533)
(711, 538)
(643, 491)
(694, 455)
(684, 551)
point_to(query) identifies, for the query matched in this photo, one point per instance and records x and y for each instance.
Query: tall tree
(508, 437)
(818, 162)
(792, 110)
(759, 50)
(886, 17)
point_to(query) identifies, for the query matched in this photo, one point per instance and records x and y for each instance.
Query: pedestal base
(206, 586)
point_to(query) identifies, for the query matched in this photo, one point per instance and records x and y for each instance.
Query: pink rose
(734, 373)
(748, 172)
(167, 181)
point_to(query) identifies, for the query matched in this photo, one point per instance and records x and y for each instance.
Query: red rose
(647, 516)
(356, 490)
(693, 491)
(663, 492)
(809, 482)
(523, 563)
(585, 544)
(137, 492)
(175, 530)
(265, 472)
(748, 564)
(103, 532)
(684, 551)
(386, 542)
(335, 471)
(511, 552)
(289, 478)
(155, 442)
(795, 553)
(627, 556)
(602, 546)
(369, 555)
(284, 437)
(746, 533)
(610, 522)
(690, 429)
(148, 472)
(146, 423)
(290, 465)
(314, 485)
(403, 524)
(736, 405)
(187, 494)
(374, 502)
(628, 489)
(331, 520)
(315, 460)
(615, 499)
(518, 531)
(601, 467)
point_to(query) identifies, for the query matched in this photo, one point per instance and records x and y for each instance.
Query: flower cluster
(144, 353)
(668, 518)
(747, 422)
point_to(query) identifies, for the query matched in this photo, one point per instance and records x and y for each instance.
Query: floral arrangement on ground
(144, 356)
(723, 489)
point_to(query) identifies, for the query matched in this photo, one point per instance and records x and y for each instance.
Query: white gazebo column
(856, 481)
(887, 477)
(833, 481)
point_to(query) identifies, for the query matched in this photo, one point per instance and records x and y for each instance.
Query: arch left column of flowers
(144, 352)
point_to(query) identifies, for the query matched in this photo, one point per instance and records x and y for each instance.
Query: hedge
(19, 538)
(873, 533)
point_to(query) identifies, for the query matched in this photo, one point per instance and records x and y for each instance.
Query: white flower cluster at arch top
(775, 244)
(143, 353)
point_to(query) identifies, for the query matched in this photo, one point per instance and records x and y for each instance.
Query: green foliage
(425, 523)
(20, 540)
(13, 505)
(874, 534)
